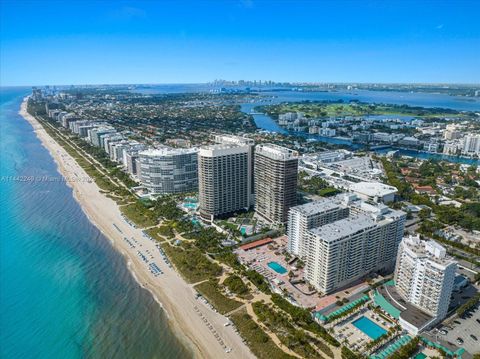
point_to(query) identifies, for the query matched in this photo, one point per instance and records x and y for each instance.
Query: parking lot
(462, 328)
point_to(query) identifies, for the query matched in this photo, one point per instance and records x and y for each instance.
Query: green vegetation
(468, 305)
(236, 285)
(294, 339)
(154, 233)
(166, 231)
(260, 343)
(258, 280)
(346, 312)
(467, 216)
(382, 338)
(407, 350)
(102, 157)
(348, 354)
(139, 214)
(303, 318)
(315, 185)
(211, 290)
(166, 207)
(192, 264)
(229, 259)
(206, 239)
(316, 109)
(103, 182)
(163, 116)
(322, 346)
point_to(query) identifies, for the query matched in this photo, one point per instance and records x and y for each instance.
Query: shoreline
(174, 296)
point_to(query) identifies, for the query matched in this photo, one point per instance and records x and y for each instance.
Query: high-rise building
(276, 171)
(311, 215)
(95, 134)
(131, 157)
(223, 180)
(424, 277)
(243, 141)
(352, 240)
(167, 170)
(471, 145)
(451, 147)
(116, 150)
(109, 138)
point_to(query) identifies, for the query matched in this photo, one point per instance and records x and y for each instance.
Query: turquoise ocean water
(64, 291)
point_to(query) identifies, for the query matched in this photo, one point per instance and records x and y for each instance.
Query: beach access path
(195, 323)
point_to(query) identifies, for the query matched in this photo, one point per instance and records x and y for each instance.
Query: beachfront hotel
(168, 170)
(276, 171)
(348, 239)
(311, 215)
(223, 180)
(424, 277)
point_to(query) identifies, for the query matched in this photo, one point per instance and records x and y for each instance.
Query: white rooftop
(167, 151)
(343, 228)
(276, 152)
(317, 207)
(373, 189)
(434, 251)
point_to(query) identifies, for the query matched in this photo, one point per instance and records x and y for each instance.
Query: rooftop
(222, 149)
(316, 207)
(159, 152)
(234, 139)
(373, 189)
(408, 312)
(430, 249)
(343, 228)
(256, 244)
(276, 152)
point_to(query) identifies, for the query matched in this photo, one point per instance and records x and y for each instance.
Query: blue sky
(79, 42)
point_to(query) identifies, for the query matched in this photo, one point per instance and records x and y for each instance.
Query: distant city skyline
(145, 42)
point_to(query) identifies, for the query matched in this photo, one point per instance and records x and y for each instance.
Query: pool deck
(369, 327)
(258, 259)
(356, 338)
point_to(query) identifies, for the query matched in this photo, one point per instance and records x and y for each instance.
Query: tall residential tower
(223, 179)
(424, 277)
(276, 171)
(169, 170)
(343, 239)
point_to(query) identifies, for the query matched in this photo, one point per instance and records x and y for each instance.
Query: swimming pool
(277, 267)
(190, 205)
(365, 325)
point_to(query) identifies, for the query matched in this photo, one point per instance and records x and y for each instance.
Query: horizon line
(275, 82)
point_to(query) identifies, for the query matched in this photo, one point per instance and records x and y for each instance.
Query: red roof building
(256, 244)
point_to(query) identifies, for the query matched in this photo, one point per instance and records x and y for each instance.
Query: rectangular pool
(368, 327)
(277, 267)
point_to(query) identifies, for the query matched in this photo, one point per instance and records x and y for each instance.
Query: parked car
(459, 341)
(443, 332)
(473, 337)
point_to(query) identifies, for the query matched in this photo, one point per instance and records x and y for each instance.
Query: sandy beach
(195, 323)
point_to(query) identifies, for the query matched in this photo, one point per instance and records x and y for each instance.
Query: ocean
(64, 291)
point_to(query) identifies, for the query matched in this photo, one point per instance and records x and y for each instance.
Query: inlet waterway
(266, 123)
